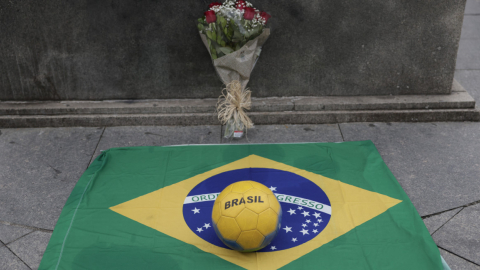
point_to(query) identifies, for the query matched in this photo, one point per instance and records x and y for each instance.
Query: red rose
(265, 16)
(249, 13)
(210, 16)
(240, 5)
(213, 4)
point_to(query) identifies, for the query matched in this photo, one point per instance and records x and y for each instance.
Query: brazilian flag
(151, 208)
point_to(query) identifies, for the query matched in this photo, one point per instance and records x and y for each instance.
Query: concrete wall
(99, 49)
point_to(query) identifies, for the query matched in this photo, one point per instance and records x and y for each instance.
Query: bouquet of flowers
(234, 33)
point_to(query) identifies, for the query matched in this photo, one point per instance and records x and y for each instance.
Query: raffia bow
(235, 100)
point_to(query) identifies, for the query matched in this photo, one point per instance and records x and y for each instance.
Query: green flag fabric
(151, 208)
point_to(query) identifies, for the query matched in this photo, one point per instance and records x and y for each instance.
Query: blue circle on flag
(306, 209)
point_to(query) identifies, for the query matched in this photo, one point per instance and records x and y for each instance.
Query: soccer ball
(246, 216)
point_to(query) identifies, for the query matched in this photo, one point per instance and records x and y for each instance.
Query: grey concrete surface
(437, 164)
(8, 261)
(10, 233)
(470, 29)
(289, 133)
(38, 170)
(135, 49)
(458, 106)
(141, 136)
(112, 120)
(260, 118)
(468, 54)
(461, 235)
(272, 104)
(469, 77)
(470, 80)
(457, 263)
(433, 223)
(162, 106)
(459, 98)
(472, 7)
(30, 248)
(173, 106)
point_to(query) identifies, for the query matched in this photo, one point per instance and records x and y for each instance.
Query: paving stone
(470, 28)
(38, 170)
(31, 248)
(437, 164)
(456, 262)
(289, 133)
(468, 56)
(437, 221)
(472, 7)
(470, 80)
(160, 135)
(9, 261)
(461, 235)
(9, 233)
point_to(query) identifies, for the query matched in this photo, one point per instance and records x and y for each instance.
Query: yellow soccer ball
(246, 216)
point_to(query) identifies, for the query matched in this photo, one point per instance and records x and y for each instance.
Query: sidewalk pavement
(437, 164)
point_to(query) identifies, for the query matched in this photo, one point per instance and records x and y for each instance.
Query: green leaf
(226, 50)
(220, 37)
(230, 32)
(213, 51)
(237, 34)
(201, 27)
(209, 34)
(226, 32)
(254, 33)
(222, 21)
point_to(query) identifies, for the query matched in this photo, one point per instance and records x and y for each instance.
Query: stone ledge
(330, 117)
(458, 106)
(456, 100)
(459, 99)
(259, 118)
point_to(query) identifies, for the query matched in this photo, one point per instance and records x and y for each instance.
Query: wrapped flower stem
(231, 108)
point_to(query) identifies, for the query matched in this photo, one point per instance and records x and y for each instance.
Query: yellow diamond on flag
(162, 210)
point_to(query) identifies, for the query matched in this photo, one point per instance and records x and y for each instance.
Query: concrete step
(259, 118)
(458, 106)
(459, 99)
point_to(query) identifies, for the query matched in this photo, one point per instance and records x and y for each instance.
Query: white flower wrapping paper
(239, 64)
